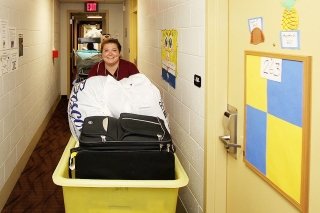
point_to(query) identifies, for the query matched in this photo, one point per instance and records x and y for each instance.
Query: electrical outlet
(197, 80)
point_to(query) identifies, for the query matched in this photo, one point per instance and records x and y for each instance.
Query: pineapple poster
(169, 52)
(290, 36)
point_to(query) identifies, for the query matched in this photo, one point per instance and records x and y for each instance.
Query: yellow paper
(283, 162)
(256, 86)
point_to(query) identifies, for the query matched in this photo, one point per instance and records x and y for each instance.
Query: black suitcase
(133, 147)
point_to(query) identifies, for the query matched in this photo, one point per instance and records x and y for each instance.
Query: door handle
(229, 139)
(226, 141)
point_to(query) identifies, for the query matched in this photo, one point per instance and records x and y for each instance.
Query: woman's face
(110, 54)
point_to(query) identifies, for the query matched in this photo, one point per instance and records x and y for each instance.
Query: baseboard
(11, 182)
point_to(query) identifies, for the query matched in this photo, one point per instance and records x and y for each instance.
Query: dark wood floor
(35, 191)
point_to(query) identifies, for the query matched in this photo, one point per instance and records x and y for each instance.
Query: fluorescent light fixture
(94, 16)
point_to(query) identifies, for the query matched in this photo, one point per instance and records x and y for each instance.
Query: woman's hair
(111, 41)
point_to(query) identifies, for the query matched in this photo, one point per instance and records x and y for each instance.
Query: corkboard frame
(305, 61)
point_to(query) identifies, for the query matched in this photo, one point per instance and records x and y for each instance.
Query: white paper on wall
(5, 62)
(13, 37)
(271, 68)
(4, 31)
(14, 59)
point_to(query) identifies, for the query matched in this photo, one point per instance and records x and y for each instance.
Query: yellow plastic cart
(117, 196)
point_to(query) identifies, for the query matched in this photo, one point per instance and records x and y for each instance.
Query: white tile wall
(9, 123)
(10, 163)
(1, 85)
(182, 15)
(17, 134)
(5, 149)
(181, 114)
(196, 128)
(190, 63)
(185, 103)
(189, 200)
(194, 184)
(4, 105)
(26, 94)
(8, 82)
(1, 132)
(197, 9)
(2, 175)
(17, 94)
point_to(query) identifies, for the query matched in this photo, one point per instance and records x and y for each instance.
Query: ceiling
(100, 1)
(83, 16)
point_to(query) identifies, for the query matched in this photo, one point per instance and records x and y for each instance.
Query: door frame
(216, 96)
(133, 34)
(68, 31)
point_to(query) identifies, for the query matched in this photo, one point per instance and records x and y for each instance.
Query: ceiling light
(94, 16)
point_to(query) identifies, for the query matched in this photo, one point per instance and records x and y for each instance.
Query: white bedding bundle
(105, 96)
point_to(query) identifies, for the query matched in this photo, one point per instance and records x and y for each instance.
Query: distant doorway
(80, 25)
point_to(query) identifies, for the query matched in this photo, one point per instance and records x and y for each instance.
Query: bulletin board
(277, 122)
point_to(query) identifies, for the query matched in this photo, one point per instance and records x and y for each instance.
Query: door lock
(229, 139)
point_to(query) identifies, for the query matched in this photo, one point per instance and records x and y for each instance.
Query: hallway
(35, 191)
(213, 37)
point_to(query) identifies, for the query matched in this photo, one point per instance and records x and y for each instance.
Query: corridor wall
(185, 103)
(28, 93)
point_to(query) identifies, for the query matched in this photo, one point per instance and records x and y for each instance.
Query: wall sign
(91, 6)
(290, 39)
(169, 54)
